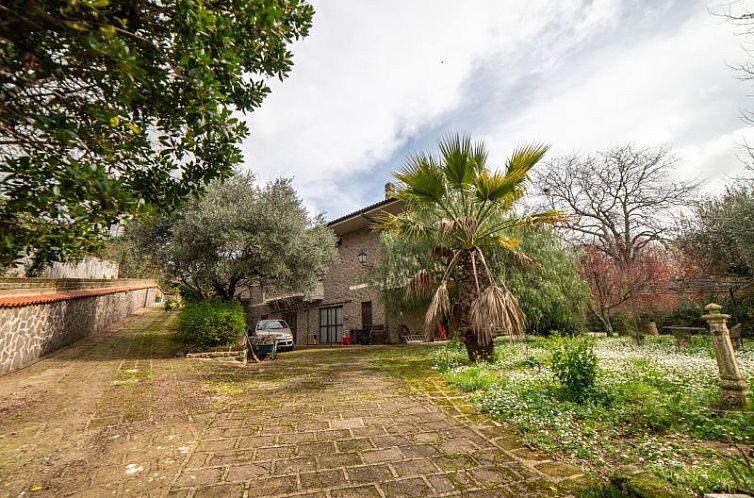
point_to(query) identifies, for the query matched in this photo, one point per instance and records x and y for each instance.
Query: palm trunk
(467, 292)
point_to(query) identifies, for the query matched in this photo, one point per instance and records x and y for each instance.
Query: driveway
(118, 414)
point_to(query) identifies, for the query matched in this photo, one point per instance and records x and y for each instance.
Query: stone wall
(33, 325)
(89, 267)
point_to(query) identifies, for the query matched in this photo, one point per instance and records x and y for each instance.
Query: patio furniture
(683, 334)
(409, 338)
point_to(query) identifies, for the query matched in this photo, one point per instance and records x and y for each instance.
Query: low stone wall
(37, 319)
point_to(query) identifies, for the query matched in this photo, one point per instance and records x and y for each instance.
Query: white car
(277, 329)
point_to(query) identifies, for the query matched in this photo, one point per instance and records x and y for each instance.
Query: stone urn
(649, 327)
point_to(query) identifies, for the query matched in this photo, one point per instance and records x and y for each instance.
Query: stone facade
(30, 331)
(344, 287)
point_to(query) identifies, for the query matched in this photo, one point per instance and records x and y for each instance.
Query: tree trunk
(467, 292)
(605, 318)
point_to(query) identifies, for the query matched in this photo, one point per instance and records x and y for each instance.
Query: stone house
(344, 301)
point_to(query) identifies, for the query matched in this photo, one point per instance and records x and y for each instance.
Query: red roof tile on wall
(13, 302)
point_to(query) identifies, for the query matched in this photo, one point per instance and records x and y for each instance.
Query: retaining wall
(39, 316)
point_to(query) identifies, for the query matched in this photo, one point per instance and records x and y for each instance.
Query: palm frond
(525, 157)
(439, 307)
(468, 225)
(419, 284)
(446, 226)
(403, 225)
(493, 310)
(422, 180)
(497, 186)
(458, 160)
(479, 157)
(549, 217)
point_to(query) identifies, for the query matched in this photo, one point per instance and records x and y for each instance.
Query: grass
(651, 407)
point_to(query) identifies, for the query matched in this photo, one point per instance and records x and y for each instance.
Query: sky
(376, 81)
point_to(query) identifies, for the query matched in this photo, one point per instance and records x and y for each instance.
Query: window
(330, 325)
(271, 325)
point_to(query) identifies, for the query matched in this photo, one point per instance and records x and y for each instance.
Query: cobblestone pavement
(118, 414)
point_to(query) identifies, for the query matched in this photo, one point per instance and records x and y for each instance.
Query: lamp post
(733, 388)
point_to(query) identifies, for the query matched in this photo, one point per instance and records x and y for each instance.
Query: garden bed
(651, 407)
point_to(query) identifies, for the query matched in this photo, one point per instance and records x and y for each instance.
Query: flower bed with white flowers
(652, 406)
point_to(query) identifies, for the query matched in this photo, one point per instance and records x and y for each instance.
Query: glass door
(331, 325)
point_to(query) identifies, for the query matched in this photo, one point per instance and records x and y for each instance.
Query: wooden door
(366, 315)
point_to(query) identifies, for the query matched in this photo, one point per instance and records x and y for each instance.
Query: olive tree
(241, 232)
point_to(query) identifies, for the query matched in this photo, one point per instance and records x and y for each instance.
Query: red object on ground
(346, 340)
(442, 332)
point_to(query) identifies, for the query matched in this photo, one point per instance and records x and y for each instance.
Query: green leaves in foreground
(112, 107)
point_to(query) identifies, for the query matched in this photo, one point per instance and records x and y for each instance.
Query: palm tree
(466, 209)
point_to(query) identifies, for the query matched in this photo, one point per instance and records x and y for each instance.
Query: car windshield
(271, 325)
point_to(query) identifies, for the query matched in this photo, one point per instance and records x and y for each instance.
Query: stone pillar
(733, 389)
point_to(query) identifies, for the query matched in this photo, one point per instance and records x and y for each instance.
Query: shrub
(472, 378)
(574, 364)
(205, 324)
(449, 356)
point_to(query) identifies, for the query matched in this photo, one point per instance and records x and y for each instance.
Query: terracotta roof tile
(13, 302)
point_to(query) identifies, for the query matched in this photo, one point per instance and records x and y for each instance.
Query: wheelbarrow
(263, 346)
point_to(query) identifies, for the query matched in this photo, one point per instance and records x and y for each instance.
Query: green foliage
(449, 356)
(460, 209)
(240, 231)
(205, 324)
(742, 470)
(720, 234)
(402, 259)
(111, 107)
(649, 406)
(551, 292)
(574, 364)
(472, 378)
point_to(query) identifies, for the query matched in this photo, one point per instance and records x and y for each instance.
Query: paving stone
(370, 473)
(356, 492)
(384, 455)
(257, 441)
(248, 471)
(199, 477)
(406, 487)
(348, 423)
(388, 441)
(322, 479)
(294, 465)
(308, 431)
(334, 460)
(420, 450)
(354, 444)
(418, 467)
(558, 470)
(441, 483)
(228, 457)
(272, 486)
(222, 491)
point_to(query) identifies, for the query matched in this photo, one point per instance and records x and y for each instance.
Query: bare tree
(620, 201)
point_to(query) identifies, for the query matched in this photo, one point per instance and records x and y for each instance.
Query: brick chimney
(389, 190)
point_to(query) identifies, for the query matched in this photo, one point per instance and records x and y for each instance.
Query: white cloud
(373, 75)
(660, 90)
(717, 161)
